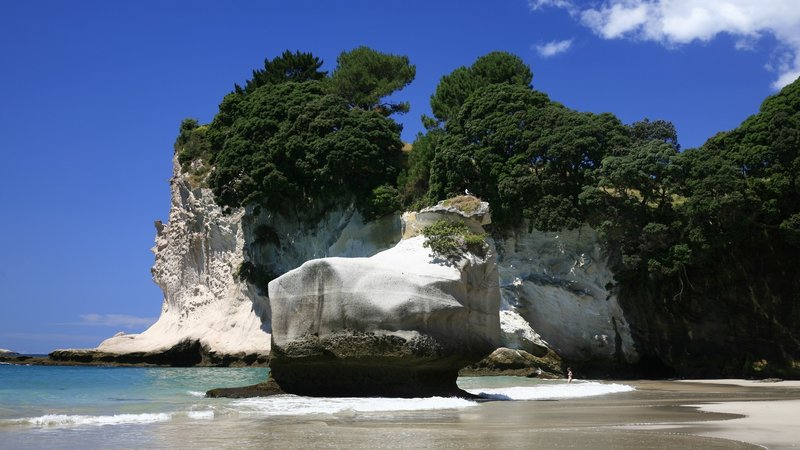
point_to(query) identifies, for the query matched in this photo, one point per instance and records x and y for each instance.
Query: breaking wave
(551, 391)
(293, 405)
(61, 420)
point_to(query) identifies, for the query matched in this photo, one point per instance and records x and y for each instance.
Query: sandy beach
(767, 422)
(720, 414)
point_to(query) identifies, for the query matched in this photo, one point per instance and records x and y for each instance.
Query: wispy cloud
(553, 48)
(680, 22)
(536, 5)
(115, 320)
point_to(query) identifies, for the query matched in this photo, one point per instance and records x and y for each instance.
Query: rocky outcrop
(512, 362)
(562, 287)
(213, 266)
(400, 323)
(186, 353)
(198, 253)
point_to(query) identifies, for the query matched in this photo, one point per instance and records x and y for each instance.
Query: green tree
(288, 139)
(297, 67)
(414, 182)
(454, 89)
(529, 157)
(365, 76)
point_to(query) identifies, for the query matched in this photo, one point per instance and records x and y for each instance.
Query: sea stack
(400, 323)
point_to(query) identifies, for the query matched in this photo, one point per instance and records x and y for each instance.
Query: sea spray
(284, 405)
(552, 391)
(67, 420)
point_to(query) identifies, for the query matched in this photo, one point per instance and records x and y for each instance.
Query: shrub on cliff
(451, 239)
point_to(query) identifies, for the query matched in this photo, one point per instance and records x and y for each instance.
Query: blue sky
(92, 93)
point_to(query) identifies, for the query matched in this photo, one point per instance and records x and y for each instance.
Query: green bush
(385, 200)
(451, 239)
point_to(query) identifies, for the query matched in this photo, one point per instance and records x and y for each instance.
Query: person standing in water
(569, 375)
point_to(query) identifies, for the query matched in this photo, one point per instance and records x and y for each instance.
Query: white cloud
(539, 4)
(614, 21)
(553, 48)
(116, 320)
(679, 22)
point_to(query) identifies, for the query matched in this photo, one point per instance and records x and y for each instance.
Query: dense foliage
(701, 240)
(293, 136)
(454, 89)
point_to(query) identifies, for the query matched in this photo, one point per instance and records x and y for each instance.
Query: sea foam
(294, 405)
(60, 420)
(200, 415)
(551, 391)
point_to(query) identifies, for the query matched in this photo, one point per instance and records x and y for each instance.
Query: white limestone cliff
(199, 251)
(555, 287)
(561, 285)
(197, 254)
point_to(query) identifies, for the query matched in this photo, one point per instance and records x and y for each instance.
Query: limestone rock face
(199, 252)
(560, 284)
(516, 333)
(400, 323)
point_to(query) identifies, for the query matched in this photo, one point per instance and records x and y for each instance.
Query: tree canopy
(364, 77)
(293, 135)
(297, 66)
(494, 68)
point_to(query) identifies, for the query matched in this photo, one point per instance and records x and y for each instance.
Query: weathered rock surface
(477, 215)
(516, 333)
(197, 255)
(201, 249)
(400, 323)
(512, 362)
(561, 285)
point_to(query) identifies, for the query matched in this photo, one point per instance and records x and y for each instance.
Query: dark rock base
(265, 389)
(184, 354)
(351, 363)
(367, 378)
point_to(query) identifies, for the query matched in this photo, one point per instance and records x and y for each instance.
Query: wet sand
(658, 415)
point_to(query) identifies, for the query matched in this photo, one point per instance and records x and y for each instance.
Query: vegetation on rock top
(452, 238)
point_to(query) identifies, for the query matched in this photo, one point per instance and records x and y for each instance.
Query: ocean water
(117, 407)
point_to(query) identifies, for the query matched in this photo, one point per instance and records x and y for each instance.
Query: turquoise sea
(121, 407)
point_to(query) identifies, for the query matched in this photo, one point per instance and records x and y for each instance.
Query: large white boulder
(400, 323)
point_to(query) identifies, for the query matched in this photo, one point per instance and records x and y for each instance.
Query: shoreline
(658, 414)
(757, 412)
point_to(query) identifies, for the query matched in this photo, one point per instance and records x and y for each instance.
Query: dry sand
(771, 423)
